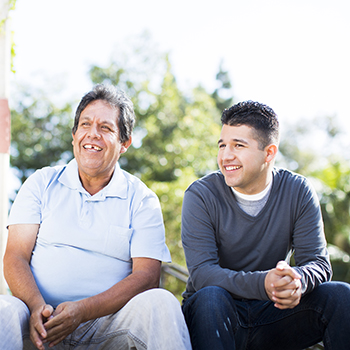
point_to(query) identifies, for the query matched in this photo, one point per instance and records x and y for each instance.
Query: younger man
(239, 228)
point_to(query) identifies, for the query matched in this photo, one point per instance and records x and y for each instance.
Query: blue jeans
(218, 321)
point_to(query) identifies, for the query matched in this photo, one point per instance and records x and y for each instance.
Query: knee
(157, 295)
(208, 293)
(338, 292)
(335, 290)
(159, 301)
(212, 297)
(209, 309)
(11, 307)
(210, 301)
(331, 296)
(158, 320)
(14, 315)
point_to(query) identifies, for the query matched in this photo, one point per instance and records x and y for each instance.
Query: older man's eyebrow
(85, 117)
(88, 118)
(108, 122)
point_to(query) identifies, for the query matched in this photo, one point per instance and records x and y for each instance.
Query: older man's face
(96, 143)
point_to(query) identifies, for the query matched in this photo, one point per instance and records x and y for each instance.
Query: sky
(291, 55)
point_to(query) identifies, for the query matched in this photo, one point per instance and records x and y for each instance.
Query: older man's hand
(39, 315)
(66, 318)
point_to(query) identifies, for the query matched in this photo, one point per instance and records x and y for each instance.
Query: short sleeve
(148, 238)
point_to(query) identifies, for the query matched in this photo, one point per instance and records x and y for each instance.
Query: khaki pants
(151, 320)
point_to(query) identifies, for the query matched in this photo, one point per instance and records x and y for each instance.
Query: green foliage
(222, 94)
(175, 138)
(175, 142)
(40, 133)
(330, 174)
(11, 7)
(335, 202)
(12, 4)
(334, 189)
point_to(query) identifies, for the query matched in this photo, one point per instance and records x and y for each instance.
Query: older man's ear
(126, 145)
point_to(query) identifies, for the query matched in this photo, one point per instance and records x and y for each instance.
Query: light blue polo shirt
(86, 243)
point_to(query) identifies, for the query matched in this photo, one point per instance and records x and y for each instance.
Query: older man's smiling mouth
(93, 147)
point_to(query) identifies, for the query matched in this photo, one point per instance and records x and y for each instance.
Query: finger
(292, 273)
(47, 311)
(287, 283)
(283, 304)
(298, 284)
(295, 274)
(38, 343)
(285, 307)
(59, 327)
(57, 336)
(54, 340)
(54, 330)
(285, 294)
(283, 282)
(287, 276)
(289, 301)
(59, 309)
(281, 265)
(36, 340)
(52, 322)
(38, 327)
(57, 319)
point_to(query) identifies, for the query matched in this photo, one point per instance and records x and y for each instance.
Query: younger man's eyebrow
(241, 141)
(236, 140)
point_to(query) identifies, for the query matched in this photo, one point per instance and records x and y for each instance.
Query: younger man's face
(243, 164)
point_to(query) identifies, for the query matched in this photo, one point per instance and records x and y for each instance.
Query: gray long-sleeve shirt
(226, 247)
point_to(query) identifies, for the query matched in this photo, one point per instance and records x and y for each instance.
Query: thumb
(281, 265)
(47, 311)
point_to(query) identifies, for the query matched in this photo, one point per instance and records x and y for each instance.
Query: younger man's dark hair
(257, 116)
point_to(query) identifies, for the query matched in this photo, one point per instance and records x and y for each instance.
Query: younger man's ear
(271, 152)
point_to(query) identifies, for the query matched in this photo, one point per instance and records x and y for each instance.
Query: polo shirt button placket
(85, 219)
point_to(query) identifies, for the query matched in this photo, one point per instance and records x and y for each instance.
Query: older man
(85, 245)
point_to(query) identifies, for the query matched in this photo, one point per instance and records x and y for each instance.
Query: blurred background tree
(223, 93)
(175, 138)
(317, 149)
(175, 142)
(40, 132)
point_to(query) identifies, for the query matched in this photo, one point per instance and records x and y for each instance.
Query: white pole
(5, 66)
